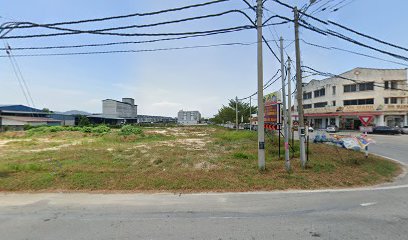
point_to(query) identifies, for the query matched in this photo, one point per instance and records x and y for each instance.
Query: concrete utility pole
(250, 112)
(289, 99)
(236, 113)
(299, 92)
(285, 112)
(261, 133)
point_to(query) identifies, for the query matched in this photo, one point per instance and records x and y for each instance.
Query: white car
(332, 128)
(404, 129)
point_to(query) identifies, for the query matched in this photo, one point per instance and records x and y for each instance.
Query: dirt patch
(205, 166)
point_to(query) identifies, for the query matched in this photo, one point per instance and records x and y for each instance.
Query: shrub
(101, 129)
(86, 129)
(127, 130)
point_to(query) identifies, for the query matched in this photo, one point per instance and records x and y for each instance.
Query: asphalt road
(395, 147)
(370, 213)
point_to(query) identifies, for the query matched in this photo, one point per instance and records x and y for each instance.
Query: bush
(86, 129)
(127, 130)
(101, 129)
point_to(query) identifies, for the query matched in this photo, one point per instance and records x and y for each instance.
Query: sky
(164, 82)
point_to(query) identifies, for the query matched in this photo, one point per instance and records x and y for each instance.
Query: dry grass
(186, 159)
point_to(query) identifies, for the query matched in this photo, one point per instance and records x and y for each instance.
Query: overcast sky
(194, 79)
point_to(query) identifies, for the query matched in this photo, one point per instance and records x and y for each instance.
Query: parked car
(332, 128)
(405, 129)
(385, 130)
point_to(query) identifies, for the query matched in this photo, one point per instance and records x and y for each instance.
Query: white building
(116, 109)
(381, 93)
(188, 117)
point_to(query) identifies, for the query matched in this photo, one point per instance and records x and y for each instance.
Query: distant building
(188, 117)
(14, 117)
(155, 119)
(117, 109)
(116, 112)
(380, 93)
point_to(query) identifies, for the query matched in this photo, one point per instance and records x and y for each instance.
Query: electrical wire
(104, 30)
(17, 76)
(239, 28)
(367, 36)
(353, 52)
(134, 51)
(341, 36)
(345, 78)
(131, 15)
(335, 10)
(271, 81)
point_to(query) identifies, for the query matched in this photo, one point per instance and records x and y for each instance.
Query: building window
(320, 92)
(334, 103)
(386, 85)
(351, 102)
(386, 100)
(393, 100)
(320, 105)
(350, 88)
(394, 85)
(307, 95)
(307, 106)
(334, 90)
(366, 86)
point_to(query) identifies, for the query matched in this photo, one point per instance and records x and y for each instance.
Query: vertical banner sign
(272, 111)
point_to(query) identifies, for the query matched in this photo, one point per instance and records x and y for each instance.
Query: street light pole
(261, 133)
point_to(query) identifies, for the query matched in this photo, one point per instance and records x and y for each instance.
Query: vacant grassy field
(178, 159)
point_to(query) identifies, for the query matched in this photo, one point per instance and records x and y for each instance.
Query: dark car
(385, 130)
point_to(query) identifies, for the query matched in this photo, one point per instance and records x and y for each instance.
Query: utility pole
(261, 133)
(285, 112)
(236, 113)
(250, 112)
(289, 99)
(299, 91)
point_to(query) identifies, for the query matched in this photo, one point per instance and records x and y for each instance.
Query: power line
(133, 51)
(271, 81)
(115, 43)
(335, 10)
(17, 76)
(338, 35)
(131, 15)
(103, 30)
(239, 28)
(341, 36)
(327, 74)
(367, 36)
(353, 52)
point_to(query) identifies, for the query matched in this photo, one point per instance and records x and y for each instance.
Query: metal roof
(31, 119)
(18, 108)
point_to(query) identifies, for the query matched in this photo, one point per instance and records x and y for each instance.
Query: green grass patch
(186, 159)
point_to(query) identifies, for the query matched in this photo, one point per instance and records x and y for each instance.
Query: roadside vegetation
(178, 159)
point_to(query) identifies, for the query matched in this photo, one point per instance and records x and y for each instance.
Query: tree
(47, 110)
(83, 121)
(227, 113)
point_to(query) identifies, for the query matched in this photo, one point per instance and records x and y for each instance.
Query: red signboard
(272, 114)
(365, 120)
